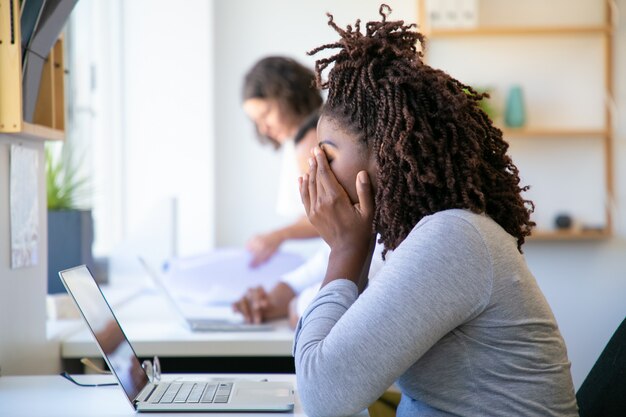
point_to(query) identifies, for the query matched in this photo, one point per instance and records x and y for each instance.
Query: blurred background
(157, 107)
(154, 111)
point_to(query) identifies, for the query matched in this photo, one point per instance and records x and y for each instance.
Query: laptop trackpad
(263, 392)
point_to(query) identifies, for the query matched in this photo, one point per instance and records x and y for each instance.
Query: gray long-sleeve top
(455, 318)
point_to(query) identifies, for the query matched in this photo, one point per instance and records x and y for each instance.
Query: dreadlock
(435, 148)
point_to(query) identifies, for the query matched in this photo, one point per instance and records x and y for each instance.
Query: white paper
(24, 207)
(222, 276)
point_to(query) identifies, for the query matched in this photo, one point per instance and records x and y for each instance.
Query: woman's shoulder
(463, 215)
(460, 229)
(446, 233)
(461, 221)
(449, 221)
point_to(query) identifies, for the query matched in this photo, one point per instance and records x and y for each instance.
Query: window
(140, 114)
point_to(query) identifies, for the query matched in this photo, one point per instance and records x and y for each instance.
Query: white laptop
(193, 393)
(228, 322)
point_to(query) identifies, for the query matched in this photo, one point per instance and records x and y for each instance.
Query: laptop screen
(113, 344)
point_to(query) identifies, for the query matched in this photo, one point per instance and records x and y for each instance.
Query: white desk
(54, 396)
(153, 329)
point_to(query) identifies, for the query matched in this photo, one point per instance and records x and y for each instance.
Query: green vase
(515, 115)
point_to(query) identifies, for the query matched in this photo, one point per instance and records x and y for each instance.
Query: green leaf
(483, 103)
(63, 184)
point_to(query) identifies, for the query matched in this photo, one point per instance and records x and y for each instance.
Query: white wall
(585, 283)
(23, 345)
(141, 106)
(167, 67)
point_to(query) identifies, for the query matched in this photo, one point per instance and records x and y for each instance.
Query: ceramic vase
(515, 114)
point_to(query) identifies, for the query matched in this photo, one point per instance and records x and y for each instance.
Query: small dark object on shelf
(563, 221)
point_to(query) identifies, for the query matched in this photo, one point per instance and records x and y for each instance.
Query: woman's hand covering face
(342, 224)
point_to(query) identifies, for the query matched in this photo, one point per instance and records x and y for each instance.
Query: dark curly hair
(287, 82)
(435, 148)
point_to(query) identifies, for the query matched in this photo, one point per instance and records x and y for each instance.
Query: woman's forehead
(256, 106)
(334, 131)
(328, 124)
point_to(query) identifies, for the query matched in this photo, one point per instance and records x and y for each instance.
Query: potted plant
(486, 104)
(70, 224)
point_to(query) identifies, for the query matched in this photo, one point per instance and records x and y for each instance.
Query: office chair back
(603, 392)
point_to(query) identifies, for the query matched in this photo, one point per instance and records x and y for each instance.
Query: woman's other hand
(263, 247)
(258, 306)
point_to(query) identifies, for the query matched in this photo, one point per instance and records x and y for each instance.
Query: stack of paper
(223, 276)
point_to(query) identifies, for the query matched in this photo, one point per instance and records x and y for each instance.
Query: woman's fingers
(319, 181)
(243, 307)
(263, 247)
(312, 182)
(258, 298)
(326, 180)
(253, 305)
(364, 192)
(255, 298)
(304, 192)
(261, 256)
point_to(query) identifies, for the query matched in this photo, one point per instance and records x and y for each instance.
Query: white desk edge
(56, 396)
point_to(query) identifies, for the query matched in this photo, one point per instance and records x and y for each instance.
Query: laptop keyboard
(179, 392)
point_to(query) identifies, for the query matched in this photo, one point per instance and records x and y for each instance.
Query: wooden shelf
(602, 30)
(554, 133)
(549, 235)
(33, 131)
(30, 131)
(49, 116)
(516, 31)
(50, 108)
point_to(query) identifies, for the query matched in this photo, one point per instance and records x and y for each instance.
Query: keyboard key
(223, 392)
(221, 399)
(209, 393)
(171, 392)
(184, 392)
(158, 393)
(224, 389)
(196, 393)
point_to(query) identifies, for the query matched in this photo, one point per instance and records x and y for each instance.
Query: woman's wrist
(280, 235)
(347, 263)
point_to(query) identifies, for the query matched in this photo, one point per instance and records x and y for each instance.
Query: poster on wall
(24, 207)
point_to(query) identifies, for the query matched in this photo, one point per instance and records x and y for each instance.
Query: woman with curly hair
(454, 317)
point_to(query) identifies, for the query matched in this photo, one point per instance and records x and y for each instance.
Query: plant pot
(70, 237)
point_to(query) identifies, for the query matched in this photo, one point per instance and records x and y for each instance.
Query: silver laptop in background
(195, 392)
(199, 324)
